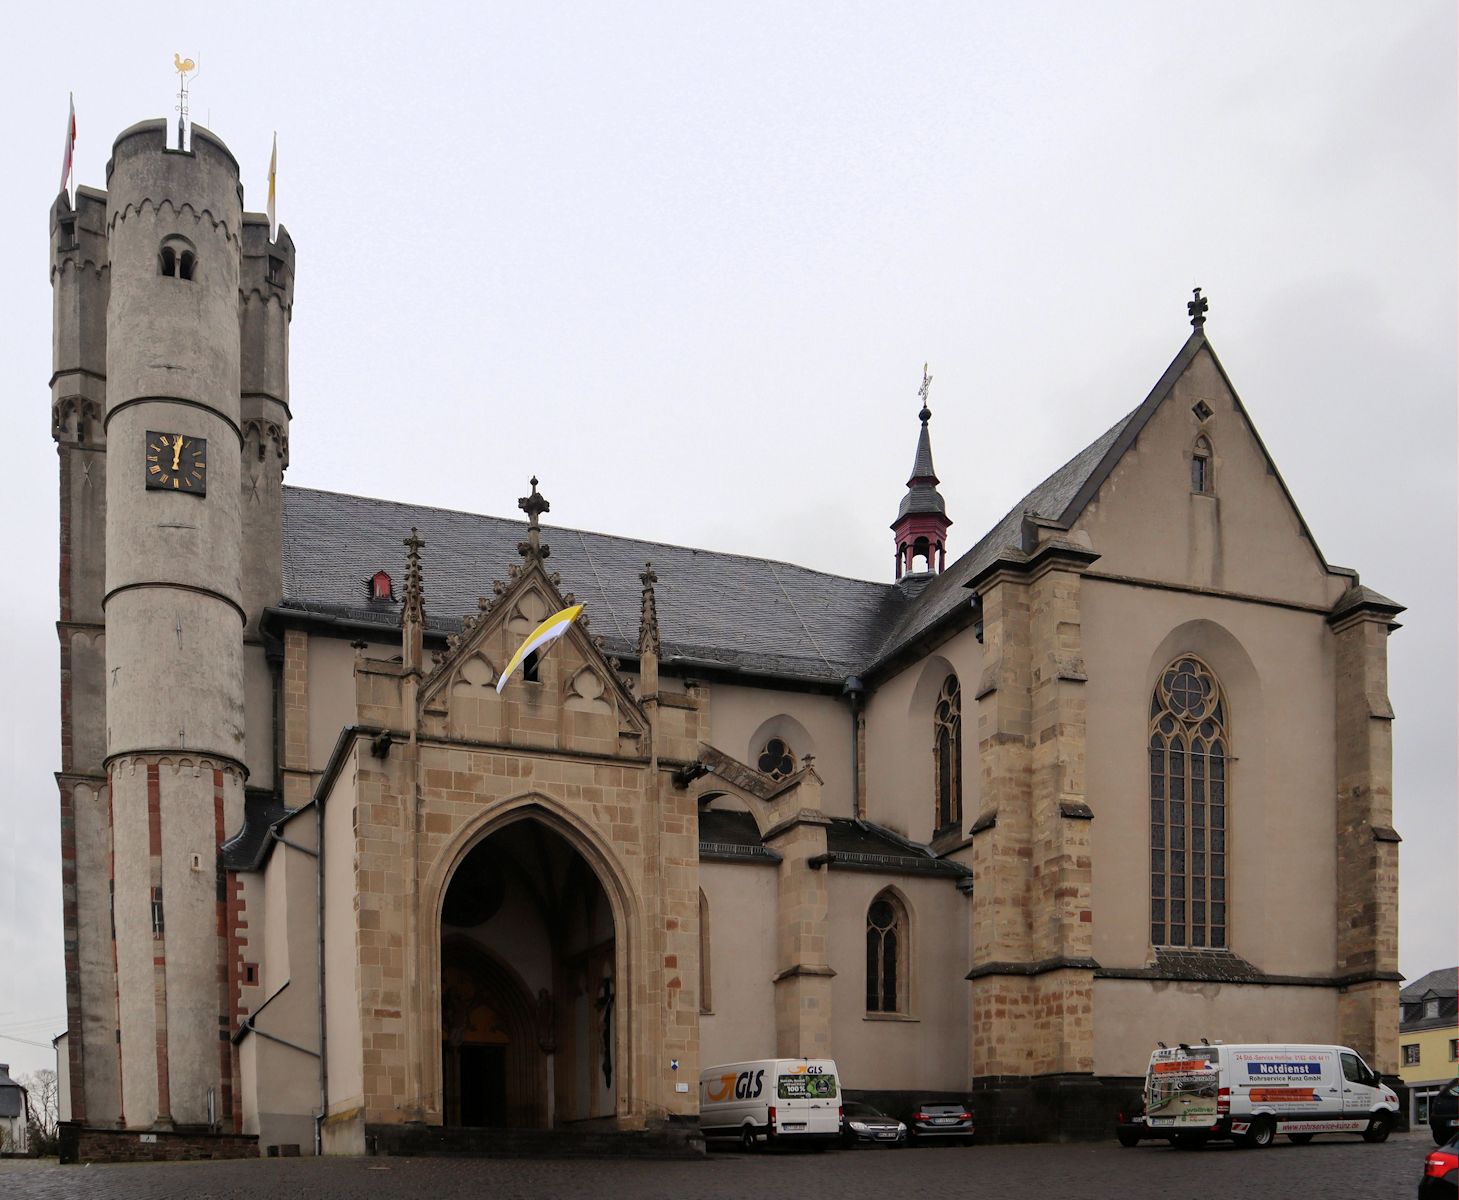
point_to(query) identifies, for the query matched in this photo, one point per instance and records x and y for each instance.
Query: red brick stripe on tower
(228, 1001)
(116, 978)
(159, 943)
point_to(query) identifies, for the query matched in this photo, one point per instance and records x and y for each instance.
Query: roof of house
(12, 1095)
(1443, 983)
(728, 611)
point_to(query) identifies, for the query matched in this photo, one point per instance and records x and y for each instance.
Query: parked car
(864, 1123)
(935, 1121)
(1440, 1180)
(1443, 1110)
(1131, 1127)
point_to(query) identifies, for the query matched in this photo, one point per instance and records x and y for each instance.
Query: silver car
(939, 1121)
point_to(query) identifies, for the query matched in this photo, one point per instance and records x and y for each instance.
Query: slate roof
(1443, 982)
(12, 1096)
(729, 836)
(726, 835)
(866, 846)
(248, 848)
(730, 611)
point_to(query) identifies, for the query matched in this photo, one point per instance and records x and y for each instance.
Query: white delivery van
(773, 1100)
(1252, 1092)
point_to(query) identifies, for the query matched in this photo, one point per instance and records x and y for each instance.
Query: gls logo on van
(747, 1086)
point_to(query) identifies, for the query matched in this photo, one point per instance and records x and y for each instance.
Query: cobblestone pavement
(1330, 1168)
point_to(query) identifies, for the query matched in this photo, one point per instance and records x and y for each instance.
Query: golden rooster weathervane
(184, 67)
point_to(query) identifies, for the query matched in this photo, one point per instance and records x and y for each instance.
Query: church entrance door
(528, 989)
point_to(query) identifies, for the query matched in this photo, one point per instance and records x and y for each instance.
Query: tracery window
(777, 759)
(886, 955)
(1189, 755)
(948, 754)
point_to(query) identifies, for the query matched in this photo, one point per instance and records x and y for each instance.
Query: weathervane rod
(182, 66)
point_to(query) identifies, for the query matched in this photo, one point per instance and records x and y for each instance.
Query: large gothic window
(886, 955)
(947, 749)
(1189, 753)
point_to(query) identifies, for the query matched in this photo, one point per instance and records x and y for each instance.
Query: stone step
(675, 1140)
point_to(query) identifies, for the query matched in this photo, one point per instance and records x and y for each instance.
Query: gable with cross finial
(1196, 308)
(576, 701)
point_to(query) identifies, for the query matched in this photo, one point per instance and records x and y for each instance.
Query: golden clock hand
(176, 451)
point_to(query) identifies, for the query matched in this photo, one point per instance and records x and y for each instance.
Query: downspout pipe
(342, 746)
(855, 692)
(319, 955)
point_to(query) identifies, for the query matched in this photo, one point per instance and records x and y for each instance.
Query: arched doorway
(528, 985)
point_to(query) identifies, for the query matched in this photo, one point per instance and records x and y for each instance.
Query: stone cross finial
(926, 413)
(413, 608)
(534, 506)
(648, 620)
(1197, 309)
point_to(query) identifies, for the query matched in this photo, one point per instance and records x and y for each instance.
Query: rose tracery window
(777, 759)
(886, 950)
(948, 754)
(1189, 754)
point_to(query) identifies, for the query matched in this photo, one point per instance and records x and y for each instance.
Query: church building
(1117, 770)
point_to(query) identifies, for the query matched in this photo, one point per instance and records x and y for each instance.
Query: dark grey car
(863, 1123)
(936, 1121)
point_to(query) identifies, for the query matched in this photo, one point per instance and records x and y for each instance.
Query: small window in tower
(529, 668)
(157, 925)
(276, 271)
(381, 586)
(177, 258)
(250, 973)
(1201, 466)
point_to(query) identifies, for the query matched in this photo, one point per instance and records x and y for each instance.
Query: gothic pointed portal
(922, 521)
(528, 986)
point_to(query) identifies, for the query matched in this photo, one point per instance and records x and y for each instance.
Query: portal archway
(529, 985)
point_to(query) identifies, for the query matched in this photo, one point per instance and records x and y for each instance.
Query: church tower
(174, 612)
(922, 521)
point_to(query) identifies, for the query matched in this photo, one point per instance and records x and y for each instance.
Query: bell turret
(922, 521)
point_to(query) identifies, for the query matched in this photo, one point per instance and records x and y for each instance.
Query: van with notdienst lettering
(1251, 1092)
(771, 1101)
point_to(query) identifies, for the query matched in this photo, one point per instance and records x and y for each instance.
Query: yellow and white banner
(273, 187)
(545, 634)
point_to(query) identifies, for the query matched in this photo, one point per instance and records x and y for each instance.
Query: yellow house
(1428, 1037)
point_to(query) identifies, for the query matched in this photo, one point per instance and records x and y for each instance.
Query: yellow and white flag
(273, 171)
(546, 633)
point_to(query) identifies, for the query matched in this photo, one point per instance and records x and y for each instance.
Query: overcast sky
(685, 262)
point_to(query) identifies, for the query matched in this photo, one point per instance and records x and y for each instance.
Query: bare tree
(44, 1096)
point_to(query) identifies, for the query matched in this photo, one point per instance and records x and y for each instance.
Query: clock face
(177, 463)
